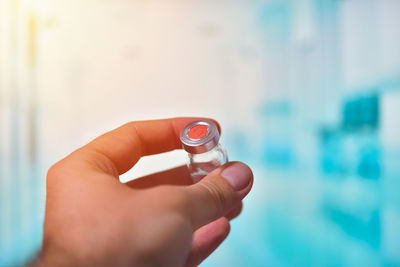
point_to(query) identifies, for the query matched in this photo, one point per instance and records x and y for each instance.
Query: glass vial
(201, 140)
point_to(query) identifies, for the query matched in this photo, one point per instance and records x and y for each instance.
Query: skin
(92, 219)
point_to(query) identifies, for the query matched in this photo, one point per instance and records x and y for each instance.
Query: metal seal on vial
(199, 136)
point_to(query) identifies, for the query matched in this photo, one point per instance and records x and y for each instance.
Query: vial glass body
(200, 165)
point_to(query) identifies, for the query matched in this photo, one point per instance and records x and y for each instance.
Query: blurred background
(307, 93)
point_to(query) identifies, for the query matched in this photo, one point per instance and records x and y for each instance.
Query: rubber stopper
(198, 131)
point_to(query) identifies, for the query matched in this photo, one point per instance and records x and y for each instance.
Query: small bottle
(201, 140)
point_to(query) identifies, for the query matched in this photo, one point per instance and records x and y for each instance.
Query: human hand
(92, 219)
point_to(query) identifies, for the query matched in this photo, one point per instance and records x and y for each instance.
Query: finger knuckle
(172, 196)
(216, 194)
(56, 172)
(53, 171)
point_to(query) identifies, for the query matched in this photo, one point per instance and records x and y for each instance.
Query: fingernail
(238, 175)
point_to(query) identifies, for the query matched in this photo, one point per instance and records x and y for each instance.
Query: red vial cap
(199, 136)
(198, 131)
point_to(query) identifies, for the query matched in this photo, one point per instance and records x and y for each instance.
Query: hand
(92, 219)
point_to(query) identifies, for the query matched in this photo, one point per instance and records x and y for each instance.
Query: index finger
(124, 146)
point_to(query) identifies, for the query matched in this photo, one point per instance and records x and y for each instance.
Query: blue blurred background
(307, 93)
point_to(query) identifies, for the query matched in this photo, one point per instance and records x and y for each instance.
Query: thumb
(218, 192)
